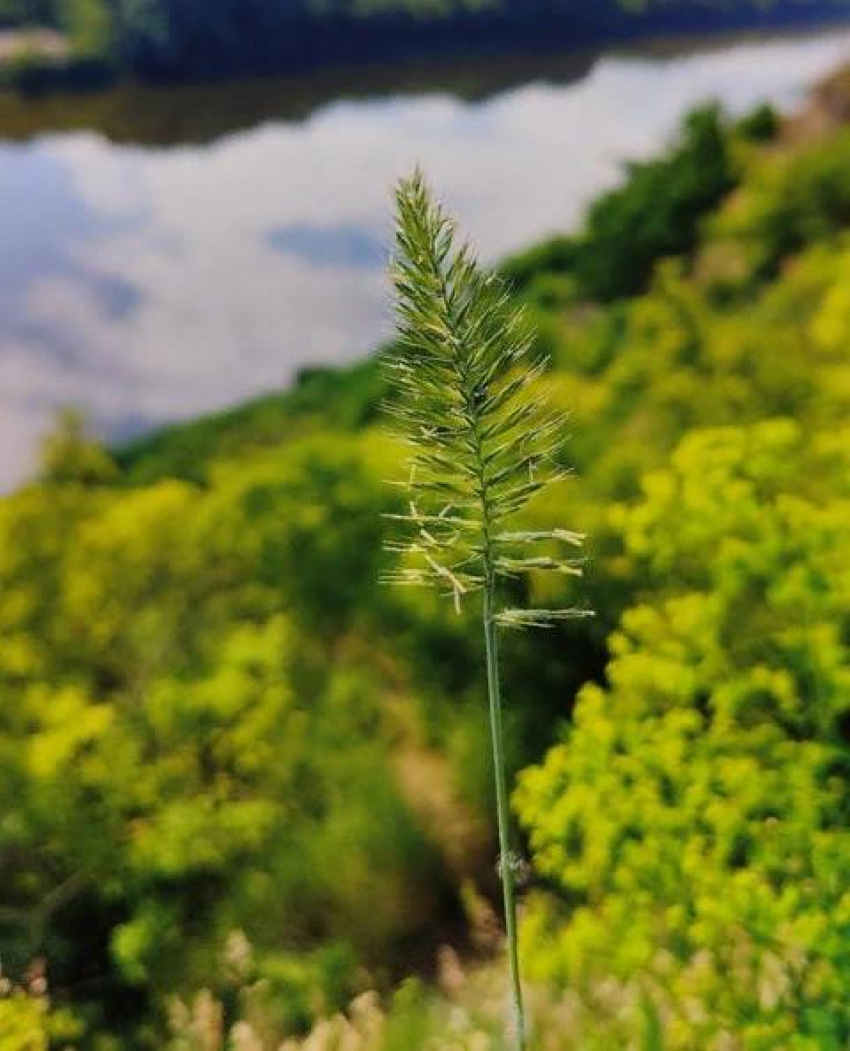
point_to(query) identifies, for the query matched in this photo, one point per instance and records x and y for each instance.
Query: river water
(168, 252)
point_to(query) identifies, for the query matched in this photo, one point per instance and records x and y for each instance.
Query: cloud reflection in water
(148, 284)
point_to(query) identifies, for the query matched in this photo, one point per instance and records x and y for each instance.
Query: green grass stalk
(505, 866)
(470, 405)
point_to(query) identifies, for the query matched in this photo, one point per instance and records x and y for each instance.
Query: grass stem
(505, 866)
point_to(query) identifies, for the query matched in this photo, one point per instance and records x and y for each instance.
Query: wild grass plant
(483, 443)
(462, 1011)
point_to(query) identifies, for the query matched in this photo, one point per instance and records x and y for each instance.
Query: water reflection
(330, 245)
(179, 115)
(148, 284)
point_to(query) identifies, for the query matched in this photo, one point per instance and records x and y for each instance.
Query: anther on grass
(483, 442)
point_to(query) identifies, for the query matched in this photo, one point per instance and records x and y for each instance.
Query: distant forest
(207, 39)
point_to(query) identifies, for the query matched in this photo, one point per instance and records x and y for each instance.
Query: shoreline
(378, 48)
(164, 115)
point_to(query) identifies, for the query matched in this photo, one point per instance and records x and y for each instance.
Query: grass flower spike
(483, 443)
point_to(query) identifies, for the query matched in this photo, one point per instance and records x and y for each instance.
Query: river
(167, 252)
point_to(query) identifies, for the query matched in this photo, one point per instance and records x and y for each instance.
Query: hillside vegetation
(242, 782)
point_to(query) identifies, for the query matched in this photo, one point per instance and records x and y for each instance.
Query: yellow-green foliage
(792, 199)
(695, 816)
(22, 1024)
(28, 1022)
(198, 726)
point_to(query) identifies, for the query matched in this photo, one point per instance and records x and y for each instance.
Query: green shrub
(760, 125)
(791, 201)
(656, 213)
(694, 820)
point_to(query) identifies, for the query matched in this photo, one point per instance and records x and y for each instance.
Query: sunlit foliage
(695, 817)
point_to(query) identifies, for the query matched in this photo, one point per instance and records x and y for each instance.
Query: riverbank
(160, 268)
(156, 115)
(212, 45)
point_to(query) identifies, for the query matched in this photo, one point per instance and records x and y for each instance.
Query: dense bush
(696, 815)
(200, 727)
(656, 213)
(798, 198)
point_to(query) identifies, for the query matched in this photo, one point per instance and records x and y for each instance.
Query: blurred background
(244, 790)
